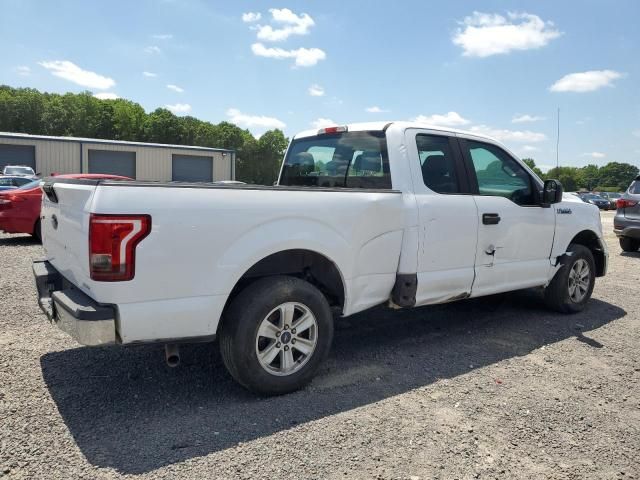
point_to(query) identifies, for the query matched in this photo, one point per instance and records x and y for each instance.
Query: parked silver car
(626, 223)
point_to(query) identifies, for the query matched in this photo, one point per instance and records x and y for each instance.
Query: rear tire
(572, 286)
(259, 342)
(629, 244)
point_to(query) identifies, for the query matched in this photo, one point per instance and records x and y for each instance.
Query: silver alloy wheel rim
(579, 280)
(286, 339)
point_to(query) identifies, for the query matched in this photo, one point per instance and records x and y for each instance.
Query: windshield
(593, 197)
(30, 185)
(343, 160)
(18, 171)
(613, 195)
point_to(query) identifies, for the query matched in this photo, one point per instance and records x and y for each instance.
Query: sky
(489, 66)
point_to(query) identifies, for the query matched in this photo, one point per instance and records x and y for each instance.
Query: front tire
(629, 244)
(572, 286)
(275, 334)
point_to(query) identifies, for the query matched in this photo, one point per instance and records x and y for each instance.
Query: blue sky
(497, 67)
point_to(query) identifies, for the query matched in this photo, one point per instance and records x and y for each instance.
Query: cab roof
(374, 126)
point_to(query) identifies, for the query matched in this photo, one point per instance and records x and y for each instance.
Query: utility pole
(558, 142)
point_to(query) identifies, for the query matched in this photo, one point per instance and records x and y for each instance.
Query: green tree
(568, 176)
(531, 163)
(162, 126)
(618, 174)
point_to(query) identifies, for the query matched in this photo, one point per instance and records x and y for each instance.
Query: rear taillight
(625, 203)
(112, 245)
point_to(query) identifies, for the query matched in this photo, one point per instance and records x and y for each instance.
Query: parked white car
(367, 214)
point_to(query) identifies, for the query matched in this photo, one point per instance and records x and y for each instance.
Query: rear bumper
(630, 232)
(72, 311)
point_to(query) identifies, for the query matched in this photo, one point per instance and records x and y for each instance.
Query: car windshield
(343, 160)
(29, 185)
(593, 197)
(18, 171)
(613, 195)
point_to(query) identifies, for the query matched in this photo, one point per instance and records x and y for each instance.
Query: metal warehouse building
(142, 161)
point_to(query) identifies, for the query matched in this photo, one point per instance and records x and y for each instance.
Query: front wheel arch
(590, 240)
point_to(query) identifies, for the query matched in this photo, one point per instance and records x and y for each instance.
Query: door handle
(490, 218)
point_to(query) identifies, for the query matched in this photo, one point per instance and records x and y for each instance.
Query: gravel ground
(492, 388)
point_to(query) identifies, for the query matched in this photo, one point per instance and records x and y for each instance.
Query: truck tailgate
(65, 222)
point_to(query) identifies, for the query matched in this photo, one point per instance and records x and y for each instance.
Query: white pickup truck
(367, 214)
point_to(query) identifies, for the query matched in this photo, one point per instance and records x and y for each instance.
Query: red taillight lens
(112, 245)
(625, 203)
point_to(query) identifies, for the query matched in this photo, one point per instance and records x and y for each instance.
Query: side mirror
(551, 192)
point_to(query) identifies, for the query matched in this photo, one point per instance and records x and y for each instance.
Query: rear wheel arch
(308, 265)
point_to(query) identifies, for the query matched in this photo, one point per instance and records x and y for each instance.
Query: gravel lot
(492, 388)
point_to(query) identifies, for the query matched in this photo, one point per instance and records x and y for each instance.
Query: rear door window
(437, 163)
(343, 160)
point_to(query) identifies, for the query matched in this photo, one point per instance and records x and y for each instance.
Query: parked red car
(20, 207)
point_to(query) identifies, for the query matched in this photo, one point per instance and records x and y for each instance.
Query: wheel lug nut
(293, 330)
(286, 348)
(278, 345)
(286, 327)
(293, 340)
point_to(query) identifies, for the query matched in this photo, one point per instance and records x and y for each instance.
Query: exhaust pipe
(172, 354)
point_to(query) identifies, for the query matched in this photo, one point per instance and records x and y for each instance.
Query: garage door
(192, 168)
(113, 163)
(17, 155)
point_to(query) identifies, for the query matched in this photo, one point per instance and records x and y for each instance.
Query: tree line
(612, 177)
(26, 110)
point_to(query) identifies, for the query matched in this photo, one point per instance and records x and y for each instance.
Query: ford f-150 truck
(362, 215)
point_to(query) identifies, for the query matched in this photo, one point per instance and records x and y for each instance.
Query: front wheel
(572, 286)
(275, 335)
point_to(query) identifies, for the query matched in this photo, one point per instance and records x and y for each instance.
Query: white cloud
(304, 57)
(106, 96)
(449, 119)
(322, 122)
(70, 71)
(504, 135)
(316, 90)
(291, 24)
(175, 88)
(526, 118)
(149, 74)
(485, 34)
(23, 70)
(251, 17)
(152, 49)
(179, 108)
(529, 148)
(162, 36)
(375, 109)
(593, 155)
(586, 81)
(257, 122)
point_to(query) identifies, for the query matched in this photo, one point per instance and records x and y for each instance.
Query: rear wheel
(629, 244)
(275, 335)
(571, 287)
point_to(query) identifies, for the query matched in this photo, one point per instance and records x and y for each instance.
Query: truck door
(448, 218)
(515, 233)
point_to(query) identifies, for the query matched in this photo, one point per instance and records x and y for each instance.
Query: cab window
(437, 163)
(499, 175)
